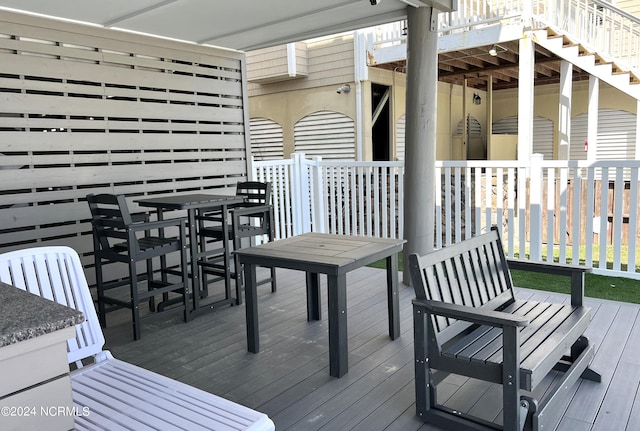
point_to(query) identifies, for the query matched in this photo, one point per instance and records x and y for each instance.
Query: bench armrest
(576, 272)
(547, 267)
(471, 314)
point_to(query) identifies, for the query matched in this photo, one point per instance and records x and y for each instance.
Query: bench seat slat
(468, 346)
(540, 317)
(492, 353)
(562, 338)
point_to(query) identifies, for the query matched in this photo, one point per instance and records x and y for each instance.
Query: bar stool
(251, 219)
(122, 238)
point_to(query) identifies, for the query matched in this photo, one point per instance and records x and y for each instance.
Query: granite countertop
(24, 315)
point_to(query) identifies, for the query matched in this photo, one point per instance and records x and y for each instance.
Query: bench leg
(551, 410)
(576, 350)
(425, 389)
(511, 379)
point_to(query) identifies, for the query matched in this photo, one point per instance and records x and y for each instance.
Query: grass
(582, 254)
(596, 286)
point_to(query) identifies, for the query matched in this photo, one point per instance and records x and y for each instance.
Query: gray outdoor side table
(335, 256)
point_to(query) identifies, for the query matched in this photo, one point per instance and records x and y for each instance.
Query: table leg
(313, 296)
(226, 260)
(251, 308)
(392, 296)
(193, 247)
(338, 343)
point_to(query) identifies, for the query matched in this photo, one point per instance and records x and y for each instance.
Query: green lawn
(596, 286)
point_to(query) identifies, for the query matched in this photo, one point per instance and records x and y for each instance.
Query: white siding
(616, 135)
(266, 139)
(326, 133)
(542, 133)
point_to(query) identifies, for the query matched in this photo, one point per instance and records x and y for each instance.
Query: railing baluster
(617, 218)
(551, 190)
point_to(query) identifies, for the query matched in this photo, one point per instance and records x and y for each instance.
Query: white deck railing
(597, 24)
(570, 211)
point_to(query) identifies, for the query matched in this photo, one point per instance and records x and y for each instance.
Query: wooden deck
(289, 379)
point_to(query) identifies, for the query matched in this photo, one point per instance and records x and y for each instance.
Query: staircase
(596, 64)
(593, 35)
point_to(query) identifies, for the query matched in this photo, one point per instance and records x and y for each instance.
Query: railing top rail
(617, 10)
(346, 163)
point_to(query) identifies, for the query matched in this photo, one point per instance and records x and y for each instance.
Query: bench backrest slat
(472, 273)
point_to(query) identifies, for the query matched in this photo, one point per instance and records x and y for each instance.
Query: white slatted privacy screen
(86, 109)
(326, 133)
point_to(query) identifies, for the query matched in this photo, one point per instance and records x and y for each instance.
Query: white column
(420, 144)
(489, 107)
(592, 118)
(564, 116)
(535, 207)
(361, 73)
(525, 98)
(465, 122)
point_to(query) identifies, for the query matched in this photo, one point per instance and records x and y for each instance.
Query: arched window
(266, 139)
(326, 133)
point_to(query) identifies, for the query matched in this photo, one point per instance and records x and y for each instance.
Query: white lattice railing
(571, 211)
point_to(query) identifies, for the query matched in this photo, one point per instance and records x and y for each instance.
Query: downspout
(361, 73)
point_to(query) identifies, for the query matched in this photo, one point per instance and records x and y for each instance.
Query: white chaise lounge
(118, 395)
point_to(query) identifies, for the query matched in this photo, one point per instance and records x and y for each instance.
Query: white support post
(421, 108)
(292, 61)
(489, 107)
(535, 207)
(319, 202)
(564, 117)
(592, 118)
(525, 98)
(300, 195)
(465, 122)
(361, 73)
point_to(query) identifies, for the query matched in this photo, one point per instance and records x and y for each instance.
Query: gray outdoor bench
(467, 321)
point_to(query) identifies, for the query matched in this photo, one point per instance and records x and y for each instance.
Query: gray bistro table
(335, 256)
(193, 203)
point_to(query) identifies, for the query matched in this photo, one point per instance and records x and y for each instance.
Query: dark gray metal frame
(467, 321)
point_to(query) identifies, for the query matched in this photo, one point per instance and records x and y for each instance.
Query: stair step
(633, 78)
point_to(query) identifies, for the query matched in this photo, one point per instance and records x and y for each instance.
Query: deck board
(289, 379)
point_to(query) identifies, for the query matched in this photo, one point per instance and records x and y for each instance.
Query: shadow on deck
(289, 379)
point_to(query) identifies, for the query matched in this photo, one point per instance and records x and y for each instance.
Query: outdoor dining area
(143, 284)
